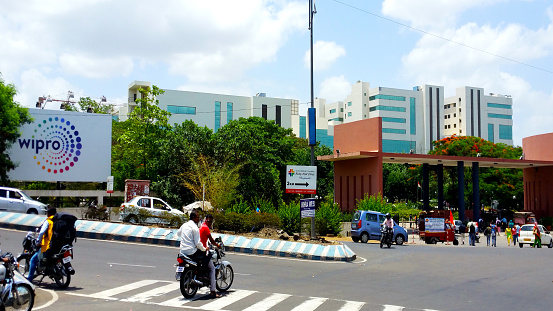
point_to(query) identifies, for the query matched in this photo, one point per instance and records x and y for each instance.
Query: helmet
(388, 216)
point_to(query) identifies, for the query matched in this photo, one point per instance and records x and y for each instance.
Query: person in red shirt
(205, 235)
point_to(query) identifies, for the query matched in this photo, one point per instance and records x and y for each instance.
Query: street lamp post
(312, 12)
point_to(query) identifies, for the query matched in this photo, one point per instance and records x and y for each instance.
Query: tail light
(67, 254)
(359, 224)
(180, 260)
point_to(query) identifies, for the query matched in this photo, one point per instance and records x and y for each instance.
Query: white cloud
(89, 66)
(34, 82)
(325, 55)
(335, 89)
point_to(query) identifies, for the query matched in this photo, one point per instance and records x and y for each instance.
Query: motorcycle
(57, 267)
(192, 277)
(15, 291)
(386, 237)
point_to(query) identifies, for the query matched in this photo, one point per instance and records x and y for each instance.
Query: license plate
(66, 259)
(526, 239)
(180, 268)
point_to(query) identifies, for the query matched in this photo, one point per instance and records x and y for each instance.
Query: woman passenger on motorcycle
(205, 234)
(44, 237)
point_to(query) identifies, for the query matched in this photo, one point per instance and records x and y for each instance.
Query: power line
(440, 37)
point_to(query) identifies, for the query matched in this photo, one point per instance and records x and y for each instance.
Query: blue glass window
(393, 131)
(387, 108)
(336, 119)
(349, 104)
(412, 117)
(505, 132)
(324, 138)
(217, 116)
(499, 116)
(502, 106)
(394, 120)
(490, 132)
(303, 129)
(332, 110)
(229, 112)
(398, 146)
(388, 97)
(349, 114)
(181, 109)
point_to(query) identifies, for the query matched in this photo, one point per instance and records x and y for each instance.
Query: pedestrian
(488, 233)
(537, 236)
(509, 235)
(472, 234)
(495, 233)
(462, 230)
(516, 233)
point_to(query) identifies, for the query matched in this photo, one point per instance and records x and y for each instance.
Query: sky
(96, 48)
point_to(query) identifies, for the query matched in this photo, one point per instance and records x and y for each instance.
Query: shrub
(239, 208)
(290, 217)
(328, 219)
(374, 203)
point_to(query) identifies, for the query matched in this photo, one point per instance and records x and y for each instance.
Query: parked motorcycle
(192, 277)
(386, 236)
(15, 291)
(57, 267)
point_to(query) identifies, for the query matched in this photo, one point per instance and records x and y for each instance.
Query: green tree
(86, 103)
(263, 148)
(12, 117)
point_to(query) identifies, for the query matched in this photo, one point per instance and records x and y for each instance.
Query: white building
(216, 110)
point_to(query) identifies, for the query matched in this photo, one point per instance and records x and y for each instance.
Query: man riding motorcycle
(389, 225)
(44, 237)
(191, 245)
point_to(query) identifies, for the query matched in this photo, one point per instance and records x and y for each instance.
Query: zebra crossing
(167, 294)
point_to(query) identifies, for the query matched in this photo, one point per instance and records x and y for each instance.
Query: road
(127, 276)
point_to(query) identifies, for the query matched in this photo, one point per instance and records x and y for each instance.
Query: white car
(15, 200)
(147, 210)
(527, 236)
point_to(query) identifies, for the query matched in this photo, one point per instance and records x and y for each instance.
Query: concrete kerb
(161, 236)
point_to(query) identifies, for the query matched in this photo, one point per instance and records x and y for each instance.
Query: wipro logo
(55, 145)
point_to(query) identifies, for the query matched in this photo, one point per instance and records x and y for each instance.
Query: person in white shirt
(189, 235)
(389, 222)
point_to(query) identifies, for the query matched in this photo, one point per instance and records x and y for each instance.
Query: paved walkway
(152, 235)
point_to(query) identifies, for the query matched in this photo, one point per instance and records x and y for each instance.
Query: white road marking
(267, 303)
(107, 294)
(226, 300)
(392, 308)
(50, 302)
(125, 264)
(352, 306)
(311, 304)
(143, 297)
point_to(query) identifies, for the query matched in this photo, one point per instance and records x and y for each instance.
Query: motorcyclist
(190, 244)
(44, 237)
(205, 235)
(389, 224)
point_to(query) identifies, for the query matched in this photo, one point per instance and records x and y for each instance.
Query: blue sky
(97, 47)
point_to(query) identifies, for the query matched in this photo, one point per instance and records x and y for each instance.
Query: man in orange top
(205, 234)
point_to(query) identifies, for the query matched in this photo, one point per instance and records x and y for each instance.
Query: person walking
(509, 235)
(516, 233)
(537, 236)
(472, 234)
(462, 230)
(495, 233)
(488, 233)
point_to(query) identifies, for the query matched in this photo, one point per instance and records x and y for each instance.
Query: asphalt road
(127, 276)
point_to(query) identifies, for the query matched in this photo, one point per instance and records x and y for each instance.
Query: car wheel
(434, 241)
(364, 237)
(355, 239)
(32, 211)
(400, 239)
(520, 245)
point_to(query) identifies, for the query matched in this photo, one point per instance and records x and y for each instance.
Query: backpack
(472, 228)
(63, 231)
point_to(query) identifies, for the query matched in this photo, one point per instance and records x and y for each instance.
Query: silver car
(15, 200)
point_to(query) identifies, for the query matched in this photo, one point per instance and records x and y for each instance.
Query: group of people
(492, 231)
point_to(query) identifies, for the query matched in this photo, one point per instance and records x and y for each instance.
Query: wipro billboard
(63, 146)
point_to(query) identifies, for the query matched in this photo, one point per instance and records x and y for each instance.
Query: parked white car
(15, 200)
(527, 236)
(148, 210)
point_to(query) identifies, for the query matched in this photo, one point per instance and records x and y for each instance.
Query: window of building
(341, 109)
(490, 132)
(454, 115)
(454, 105)
(412, 117)
(364, 94)
(387, 108)
(278, 118)
(454, 125)
(388, 97)
(445, 127)
(393, 131)
(349, 104)
(398, 146)
(505, 132)
(445, 117)
(181, 109)
(501, 106)
(217, 116)
(336, 119)
(264, 111)
(349, 114)
(303, 127)
(229, 112)
(295, 107)
(332, 110)
(393, 120)
(499, 116)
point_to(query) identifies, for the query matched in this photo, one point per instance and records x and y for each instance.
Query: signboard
(110, 184)
(301, 179)
(63, 146)
(434, 225)
(135, 188)
(307, 208)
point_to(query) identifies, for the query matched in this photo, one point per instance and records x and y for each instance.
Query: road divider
(164, 236)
